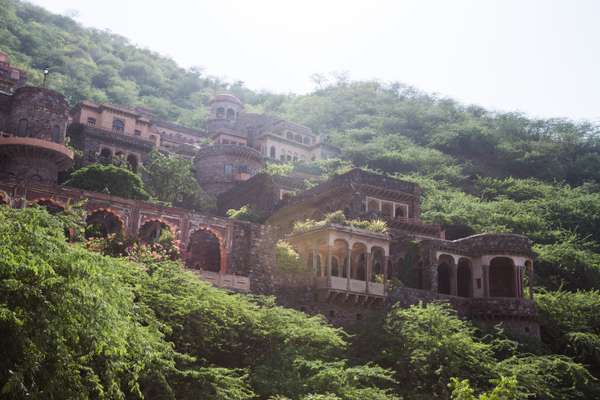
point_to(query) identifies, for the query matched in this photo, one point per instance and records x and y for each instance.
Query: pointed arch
(103, 222)
(206, 250)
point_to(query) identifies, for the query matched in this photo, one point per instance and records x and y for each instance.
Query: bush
(244, 213)
(109, 179)
(287, 258)
(338, 217)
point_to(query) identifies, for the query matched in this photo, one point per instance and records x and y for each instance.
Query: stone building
(275, 138)
(32, 135)
(220, 167)
(354, 272)
(11, 78)
(348, 272)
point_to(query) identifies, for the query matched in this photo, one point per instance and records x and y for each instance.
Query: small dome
(226, 97)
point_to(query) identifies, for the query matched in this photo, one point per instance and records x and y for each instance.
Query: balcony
(350, 286)
(226, 281)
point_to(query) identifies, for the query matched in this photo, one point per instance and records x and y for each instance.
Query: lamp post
(46, 72)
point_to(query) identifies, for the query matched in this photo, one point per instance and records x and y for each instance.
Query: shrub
(287, 258)
(244, 213)
(338, 217)
(109, 179)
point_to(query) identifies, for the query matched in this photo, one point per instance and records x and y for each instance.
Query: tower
(32, 141)
(222, 123)
(225, 107)
(219, 167)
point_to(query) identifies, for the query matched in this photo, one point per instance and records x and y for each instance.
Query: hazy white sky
(537, 56)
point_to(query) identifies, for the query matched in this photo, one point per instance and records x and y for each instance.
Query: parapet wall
(518, 315)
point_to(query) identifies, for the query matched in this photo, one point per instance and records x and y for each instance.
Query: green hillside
(481, 171)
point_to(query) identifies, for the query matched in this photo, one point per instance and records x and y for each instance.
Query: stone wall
(39, 113)
(249, 248)
(518, 315)
(220, 167)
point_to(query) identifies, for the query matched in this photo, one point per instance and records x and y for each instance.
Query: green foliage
(506, 389)
(570, 323)
(287, 258)
(170, 179)
(76, 324)
(278, 169)
(430, 345)
(338, 217)
(70, 327)
(244, 213)
(109, 179)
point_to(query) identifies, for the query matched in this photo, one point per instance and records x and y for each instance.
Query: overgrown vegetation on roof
(338, 217)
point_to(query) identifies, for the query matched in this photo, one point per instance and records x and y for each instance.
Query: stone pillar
(433, 271)
(348, 267)
(530, 280)
(369, 269)
(386, 262)
(453, 279)
(315, 254)
(329, 254)
(486, 280)
(517, 281)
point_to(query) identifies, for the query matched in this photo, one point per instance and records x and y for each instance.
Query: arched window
(230, 114)
(306, 140)
(22, 128)
(132, 162)
(118, 125)
(298, 138)
(289, 135)
(105, 156)
(502, 278)
(335, 268)
(220, 112)
(464, 278)
(272, 153)
(443, 278)
(204, 251)
(401, 212)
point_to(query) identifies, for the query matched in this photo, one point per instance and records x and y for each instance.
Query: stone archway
(464, 278)
(151, 231)
(377, 271)
(205, 251)
(340, 255)
(502, 277)
(102, 223)
(443, 275)
(359, 262)
(4, 198)
(132, 162)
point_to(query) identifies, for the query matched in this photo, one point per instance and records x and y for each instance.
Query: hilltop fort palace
(349, 272)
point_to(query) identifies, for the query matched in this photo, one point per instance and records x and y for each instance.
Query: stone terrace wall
(250, 247)
(518, 315)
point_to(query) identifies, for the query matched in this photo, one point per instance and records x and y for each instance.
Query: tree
(109, 179)
(429, 345)
(170, 179)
